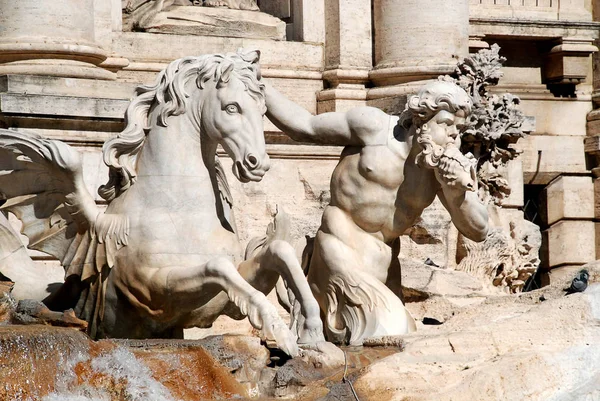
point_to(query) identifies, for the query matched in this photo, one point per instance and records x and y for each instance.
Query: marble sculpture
(165, 254)
(390, 170)
(140, 13)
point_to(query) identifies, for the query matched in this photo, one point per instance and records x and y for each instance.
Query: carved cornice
(592, 25)
(533, 28)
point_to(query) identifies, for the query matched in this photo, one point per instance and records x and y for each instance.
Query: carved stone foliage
(506, 259)
(495, 124)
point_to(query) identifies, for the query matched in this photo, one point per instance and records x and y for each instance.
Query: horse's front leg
(278, 258)
(184, 284)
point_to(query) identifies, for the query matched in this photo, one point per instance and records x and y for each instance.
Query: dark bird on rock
(580, 282)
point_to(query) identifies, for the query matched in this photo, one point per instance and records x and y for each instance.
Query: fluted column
(418, 39)
(50, 38)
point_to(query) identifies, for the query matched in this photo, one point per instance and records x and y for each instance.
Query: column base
(393, 75)
(340, 99)
(57, 68)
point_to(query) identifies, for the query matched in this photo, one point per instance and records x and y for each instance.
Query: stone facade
(67, 71)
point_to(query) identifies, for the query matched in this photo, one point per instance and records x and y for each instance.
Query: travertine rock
(507, 348)
(421, 281)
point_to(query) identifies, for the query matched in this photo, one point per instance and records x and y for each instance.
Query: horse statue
(164, 255)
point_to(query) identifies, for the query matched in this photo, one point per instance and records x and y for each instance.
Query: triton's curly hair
(432, 98)
(422, 107)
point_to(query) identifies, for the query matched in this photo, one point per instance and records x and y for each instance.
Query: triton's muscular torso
(369, 185)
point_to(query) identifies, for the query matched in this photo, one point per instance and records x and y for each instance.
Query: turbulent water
(118, 366)
(44, 363)
(51, 364)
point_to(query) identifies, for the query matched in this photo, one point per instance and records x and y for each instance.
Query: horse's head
(232, 113)
(220, 95)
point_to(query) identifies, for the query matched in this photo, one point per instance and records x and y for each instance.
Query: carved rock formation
(541, 345)
(505, 259)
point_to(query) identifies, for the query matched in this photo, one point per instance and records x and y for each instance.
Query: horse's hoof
(275, 330)
(311, 332)
(322, 354)
(283, 338)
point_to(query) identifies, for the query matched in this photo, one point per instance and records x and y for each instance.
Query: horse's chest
(187, 235)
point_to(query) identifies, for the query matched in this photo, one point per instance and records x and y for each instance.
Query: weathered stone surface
(420, 281)
(430, 237)
(504, 349)
(207, 21)
(545, 157)
(567, 243)
(569, 198)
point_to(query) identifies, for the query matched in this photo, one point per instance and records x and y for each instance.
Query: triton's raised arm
(468, 214)
(359, 126)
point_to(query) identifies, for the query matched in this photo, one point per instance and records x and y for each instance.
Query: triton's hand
(457, 171)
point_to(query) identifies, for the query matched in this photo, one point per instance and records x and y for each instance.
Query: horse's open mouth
(244, 175)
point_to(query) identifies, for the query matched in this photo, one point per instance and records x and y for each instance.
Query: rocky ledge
(540, 345)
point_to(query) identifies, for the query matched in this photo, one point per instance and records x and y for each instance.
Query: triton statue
(390, 170)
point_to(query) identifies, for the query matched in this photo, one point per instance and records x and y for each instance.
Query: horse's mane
(168, 93)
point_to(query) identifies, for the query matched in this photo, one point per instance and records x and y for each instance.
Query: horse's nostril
(251, 161)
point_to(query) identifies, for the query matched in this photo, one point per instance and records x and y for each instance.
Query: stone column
(418, 39)
(348, 54)
(50, 38)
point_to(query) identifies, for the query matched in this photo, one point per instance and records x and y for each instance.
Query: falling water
(43, 363)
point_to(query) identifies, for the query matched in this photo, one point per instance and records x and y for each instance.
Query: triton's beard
(431, 152)
(452, 168)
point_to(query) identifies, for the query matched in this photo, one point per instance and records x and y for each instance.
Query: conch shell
(457, 170)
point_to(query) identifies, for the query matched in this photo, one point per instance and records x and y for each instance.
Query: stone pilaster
(348, 54)
(570, 218)
(50, 38)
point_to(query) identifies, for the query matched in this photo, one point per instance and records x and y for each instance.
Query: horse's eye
(232, 109)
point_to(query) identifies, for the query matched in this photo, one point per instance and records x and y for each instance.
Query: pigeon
(579, 283)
